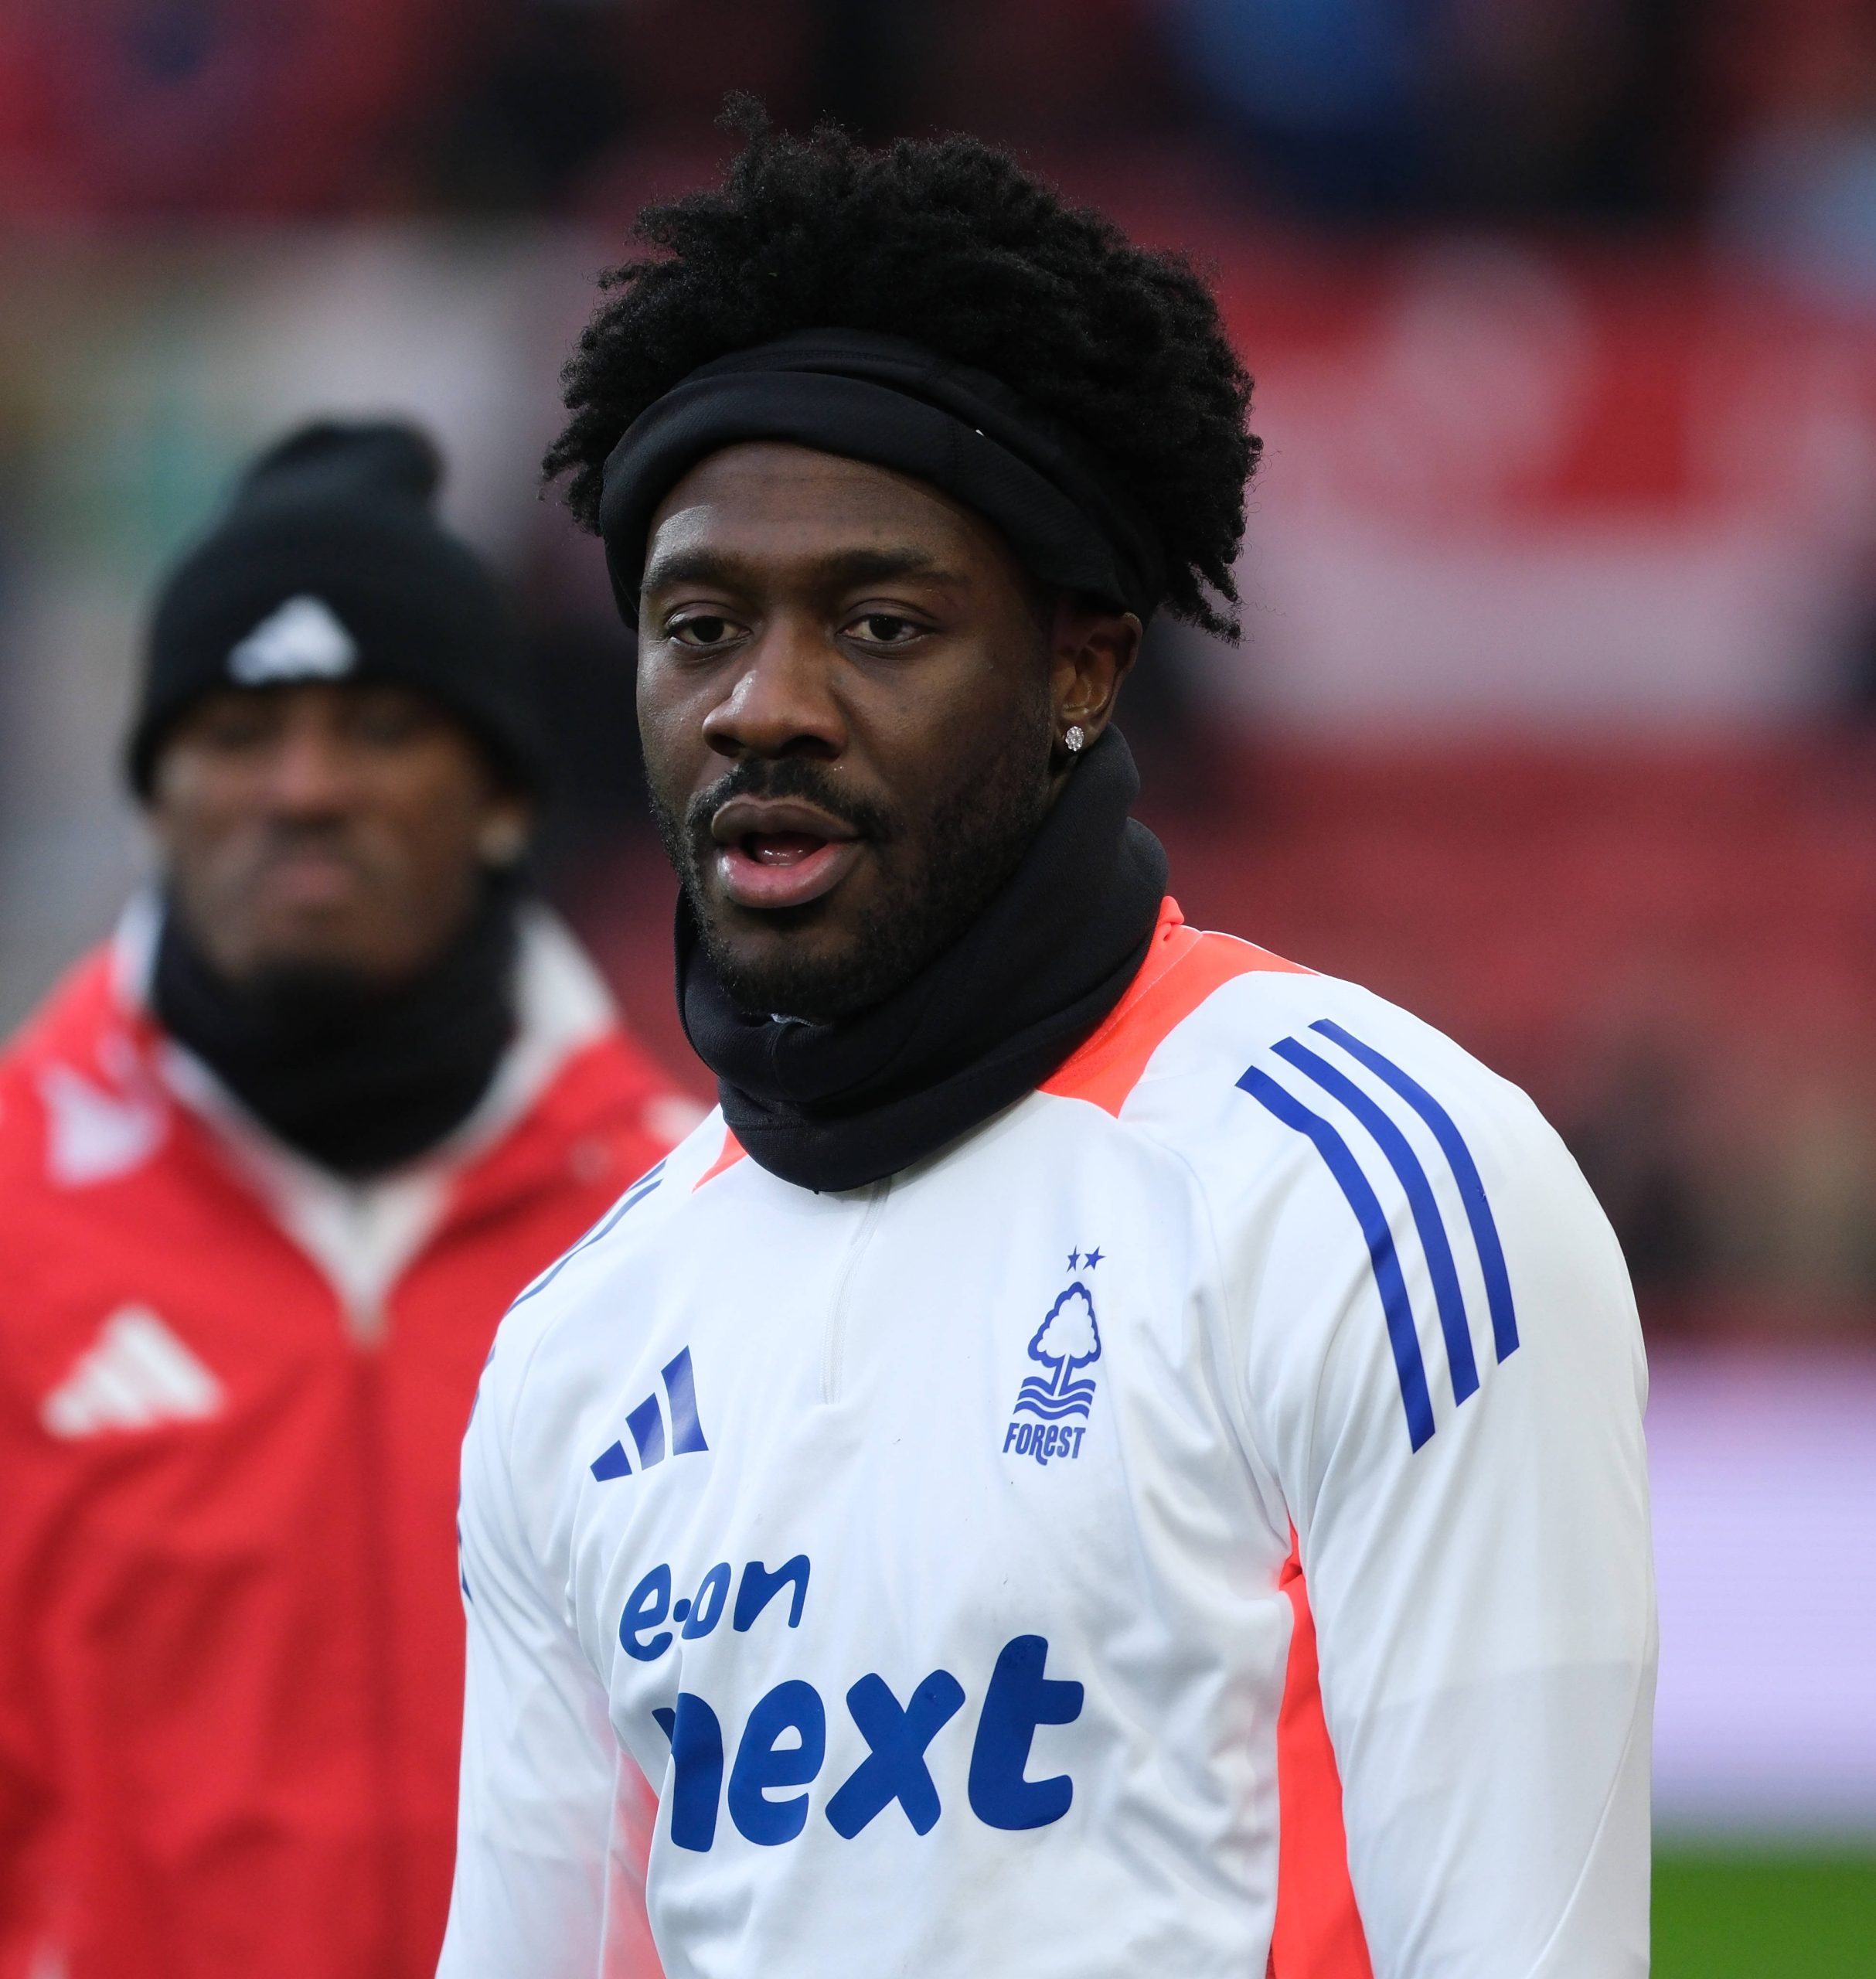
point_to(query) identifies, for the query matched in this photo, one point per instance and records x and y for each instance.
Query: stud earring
(1074, 740)
(502, 841)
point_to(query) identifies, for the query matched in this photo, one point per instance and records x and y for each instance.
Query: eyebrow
(702, 565)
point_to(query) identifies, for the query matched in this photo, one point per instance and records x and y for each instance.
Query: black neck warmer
(831, 1106)
(360, 1081)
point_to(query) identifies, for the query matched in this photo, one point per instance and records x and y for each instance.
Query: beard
(938, 873)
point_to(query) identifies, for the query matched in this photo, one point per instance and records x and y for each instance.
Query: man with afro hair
(1110, 1453)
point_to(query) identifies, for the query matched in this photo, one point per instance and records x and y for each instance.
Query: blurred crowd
(1563, 313)
(1762, 112)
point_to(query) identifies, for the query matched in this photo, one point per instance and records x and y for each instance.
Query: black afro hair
(949, 242)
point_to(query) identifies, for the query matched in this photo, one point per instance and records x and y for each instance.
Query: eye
(388, 728)
(705, 630)
(236, 725)
(886, 628)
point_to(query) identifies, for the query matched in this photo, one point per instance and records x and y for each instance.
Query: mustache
(786, 776)
(289, 835)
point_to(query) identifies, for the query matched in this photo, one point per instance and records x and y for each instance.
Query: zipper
(833, 1350)
(374, 1468)
(367, 1320)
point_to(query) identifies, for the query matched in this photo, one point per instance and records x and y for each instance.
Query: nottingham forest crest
(1067, 1341)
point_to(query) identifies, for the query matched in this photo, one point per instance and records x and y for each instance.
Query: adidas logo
(646, 1424)
(302, 640)
(138, 1374)
(93, 1134)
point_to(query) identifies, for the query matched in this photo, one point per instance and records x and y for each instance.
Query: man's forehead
(323, 703)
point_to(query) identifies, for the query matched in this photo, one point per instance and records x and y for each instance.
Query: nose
(782, 699)
(309, 773)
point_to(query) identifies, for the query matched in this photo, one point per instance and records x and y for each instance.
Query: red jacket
(233, 1392)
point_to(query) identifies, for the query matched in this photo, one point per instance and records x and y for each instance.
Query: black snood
(833, 1105)
(359, 1080)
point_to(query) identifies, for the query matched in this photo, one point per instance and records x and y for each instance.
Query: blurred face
(326, 829)
(851, 698)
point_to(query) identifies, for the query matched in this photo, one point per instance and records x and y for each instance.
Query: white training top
(932, 1579)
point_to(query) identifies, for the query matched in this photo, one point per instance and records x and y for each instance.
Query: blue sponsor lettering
(1021, 1698)
(763, 1761)
(649, 1603)
(784, 1744)
(697, 1770)
(895, 1769)
(1044, 1440)
(706, 1606)
(759, 1587)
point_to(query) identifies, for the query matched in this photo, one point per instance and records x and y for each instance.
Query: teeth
(782, 848)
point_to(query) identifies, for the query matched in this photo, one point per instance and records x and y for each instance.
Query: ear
(1092, 652)
(163, 818)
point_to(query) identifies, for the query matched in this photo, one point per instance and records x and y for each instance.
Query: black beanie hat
(328, 564)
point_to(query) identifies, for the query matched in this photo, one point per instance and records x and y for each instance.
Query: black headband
(892, 403)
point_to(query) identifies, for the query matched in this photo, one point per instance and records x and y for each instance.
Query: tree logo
(1068, 1339)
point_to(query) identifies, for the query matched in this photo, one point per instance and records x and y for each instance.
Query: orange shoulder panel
(731, 1153)
(1182, 969)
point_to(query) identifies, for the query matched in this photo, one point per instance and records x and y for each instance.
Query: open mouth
(781, 852)
(771, 853)
(775, 869)
(310, 878)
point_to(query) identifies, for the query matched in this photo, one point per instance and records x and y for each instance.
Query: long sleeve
(1459, 1448)
(544, 1792)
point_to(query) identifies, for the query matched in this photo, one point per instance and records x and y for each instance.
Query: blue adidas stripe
(1465, 1172)
(634, 1196)
(1427, 1219)
(647, 1426)
(1382, 1257)
(680, 1385)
